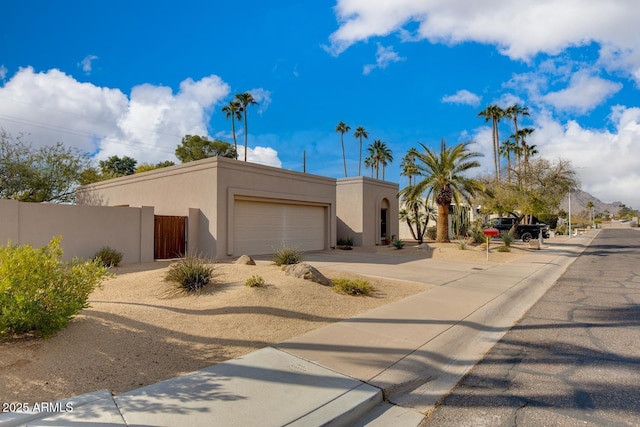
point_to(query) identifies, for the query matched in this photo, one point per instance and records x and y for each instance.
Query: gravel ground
(133, 334)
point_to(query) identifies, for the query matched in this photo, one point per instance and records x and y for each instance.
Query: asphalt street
(574, 359)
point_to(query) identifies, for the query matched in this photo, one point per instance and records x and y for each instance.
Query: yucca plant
(191, 273)
(286, 256)
(352, 287)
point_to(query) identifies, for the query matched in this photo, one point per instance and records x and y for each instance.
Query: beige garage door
(261, 228)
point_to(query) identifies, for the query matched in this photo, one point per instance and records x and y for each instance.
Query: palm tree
(377, 153)
(245, 99)
(343, 128)
(360, 133)
(385, 157)
(523, 134)
(512, 113)
(416, 212)
(506, 148)
(408, 166)
(495, 114)
(444, 178)
(234, 110)
(370, 162)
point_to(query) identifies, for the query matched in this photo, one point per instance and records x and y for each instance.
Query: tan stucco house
(223, 208)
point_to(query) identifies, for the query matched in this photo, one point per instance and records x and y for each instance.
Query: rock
(534, 244)
(307, 272)
(245, 260)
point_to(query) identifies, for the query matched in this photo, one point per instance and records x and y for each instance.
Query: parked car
(525, 232)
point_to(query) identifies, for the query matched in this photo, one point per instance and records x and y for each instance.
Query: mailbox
(491, 232)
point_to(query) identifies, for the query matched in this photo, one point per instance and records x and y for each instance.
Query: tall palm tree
(506, 149)
(360, 133)
(245, 99)
(444, 178)
(385, 157)
(343, 128)
(234, 110)
(526, 152)
(376, 152)
(512, 113)
(408, 166)
(495, 114)
(370, 162)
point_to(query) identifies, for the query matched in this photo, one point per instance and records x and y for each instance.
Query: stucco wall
(211, 185)
(359, 201)
(84, 229)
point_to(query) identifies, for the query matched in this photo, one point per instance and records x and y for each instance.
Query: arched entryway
(385, 224)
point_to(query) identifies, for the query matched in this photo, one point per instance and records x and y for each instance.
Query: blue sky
(133, 77)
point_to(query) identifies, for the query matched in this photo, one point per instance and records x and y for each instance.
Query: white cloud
(584, 93)
(547, 26)
(462, 97)
(86, 63)
(262, 97)
(606, 161)
(147, 125)
(384, 57)
(3, 72)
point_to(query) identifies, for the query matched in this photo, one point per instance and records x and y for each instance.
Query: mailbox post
(489, 233)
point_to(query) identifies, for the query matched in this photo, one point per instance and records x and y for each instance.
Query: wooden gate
(170, 236)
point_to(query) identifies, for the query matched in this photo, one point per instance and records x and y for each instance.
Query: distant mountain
(579, 201)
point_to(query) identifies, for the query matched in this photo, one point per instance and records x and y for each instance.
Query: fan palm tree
(343, 128)
(444, 178)
(245, 99)
(360, 133)
(506, 149)
(408, 166)
(495, 114)
(385, 157)
(234, 110)
(376, 152)
(526, 152)
(370, 162)
(512, 113)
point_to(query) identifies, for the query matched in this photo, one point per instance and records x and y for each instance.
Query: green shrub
(190, 274)
(504, 249)
(398, 244)
(254, 281)
(108, 257)
(352, 287)
(345, 242)
(507, 238)
(476, 233)
(39, 293)
(287, 256)
(432, 233)
(462, 245)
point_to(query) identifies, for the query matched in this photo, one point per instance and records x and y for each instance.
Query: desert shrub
(432, 233)
(40, 293)
(108, 257)
(254, 281)
(190, 274)
(287, 256)
(562, 230)
(462, 245)
(504, 249)
(398, 244)
(352, 287)
(507, 238)
(345, 242)
(476, 233)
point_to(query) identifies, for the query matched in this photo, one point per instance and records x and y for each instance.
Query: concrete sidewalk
(385, 367)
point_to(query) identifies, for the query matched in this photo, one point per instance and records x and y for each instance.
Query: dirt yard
(134, 335)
